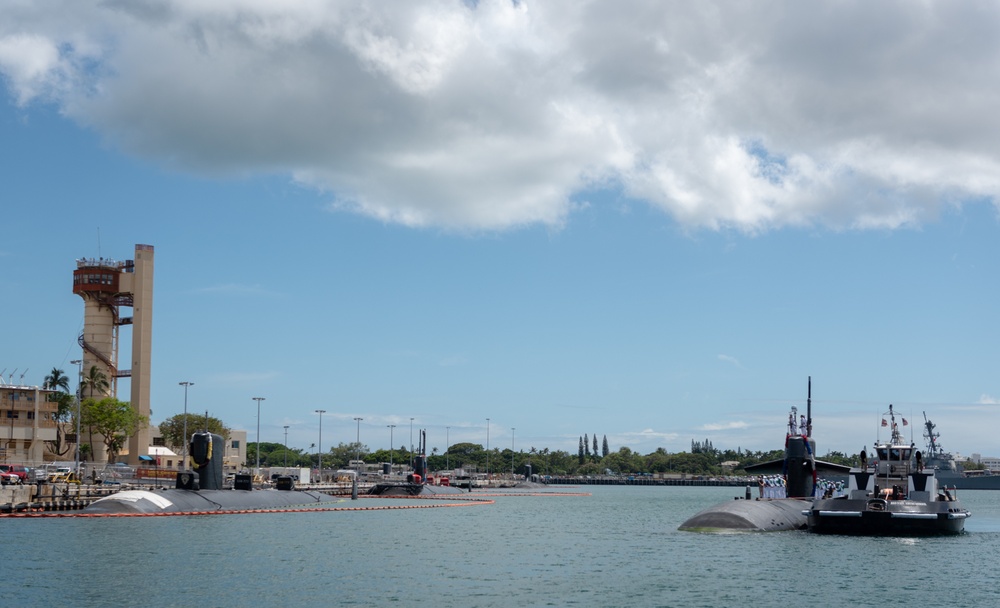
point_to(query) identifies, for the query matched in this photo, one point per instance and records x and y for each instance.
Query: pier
(617, 480)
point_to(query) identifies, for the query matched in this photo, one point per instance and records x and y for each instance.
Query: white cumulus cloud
(499, 114)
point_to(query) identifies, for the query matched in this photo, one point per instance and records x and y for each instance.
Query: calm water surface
(618, 547)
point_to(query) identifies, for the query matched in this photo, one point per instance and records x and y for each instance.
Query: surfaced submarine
(200, 491)
(417, 482)
(800, 470)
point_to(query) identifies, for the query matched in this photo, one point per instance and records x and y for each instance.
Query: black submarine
(799, 468)
(200, 491)
(417, 483)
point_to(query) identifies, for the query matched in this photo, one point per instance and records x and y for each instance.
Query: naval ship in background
(948, 471)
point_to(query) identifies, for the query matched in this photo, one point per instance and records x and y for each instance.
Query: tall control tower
(107, 286)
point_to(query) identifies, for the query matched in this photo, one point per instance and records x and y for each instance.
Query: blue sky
(452, 213)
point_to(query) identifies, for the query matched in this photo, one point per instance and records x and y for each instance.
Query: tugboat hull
(885, 518)
(895, 496)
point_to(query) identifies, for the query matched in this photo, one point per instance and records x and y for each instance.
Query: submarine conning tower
(800, 452)
(420, 459)
(107, 285)
(207, 451)
(800, 462)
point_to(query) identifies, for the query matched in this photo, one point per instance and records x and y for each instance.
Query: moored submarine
(201, 490)
(416, 483)
(800, 470)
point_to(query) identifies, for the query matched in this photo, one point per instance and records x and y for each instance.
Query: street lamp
(358, 452)
(258, 400)
(286, 447)
(447, 446)
(79, 382)
(411, 443)
(391, 426)
(185, 459)
(319, 448)
(512, 451)
(487, 448)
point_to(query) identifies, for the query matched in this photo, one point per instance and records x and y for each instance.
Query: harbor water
(617, 546)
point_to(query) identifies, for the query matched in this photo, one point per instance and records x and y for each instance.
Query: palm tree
(56, 380)
(96, 381)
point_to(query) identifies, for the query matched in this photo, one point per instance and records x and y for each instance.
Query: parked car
(9, 478)
(17, 469)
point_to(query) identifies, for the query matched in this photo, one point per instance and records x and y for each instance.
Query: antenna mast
(809, 409)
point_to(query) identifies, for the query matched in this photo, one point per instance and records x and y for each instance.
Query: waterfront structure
(235, 457)
(29, 420)
(107, 286)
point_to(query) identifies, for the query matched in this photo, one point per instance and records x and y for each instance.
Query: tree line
(115, 421)
(474, 458)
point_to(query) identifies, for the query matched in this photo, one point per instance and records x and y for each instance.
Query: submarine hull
(146, 502)
(750, 516)
(411, 489)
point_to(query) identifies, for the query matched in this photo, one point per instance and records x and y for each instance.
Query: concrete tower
(106, 286)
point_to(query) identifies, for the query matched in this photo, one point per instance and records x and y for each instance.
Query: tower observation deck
(107, 286)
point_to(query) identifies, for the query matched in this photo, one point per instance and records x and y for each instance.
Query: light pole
(258, 400)
(411, 443)
(391, 426)
(79, 381)
(487, 448)
(358, 451)
(185, 384)
(512, 451)
(286, 447)
(447, 446)
(319, 448)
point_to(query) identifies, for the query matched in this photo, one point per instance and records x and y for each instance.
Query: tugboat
(895, 495)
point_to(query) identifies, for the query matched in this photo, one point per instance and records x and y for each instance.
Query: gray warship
(950, 472)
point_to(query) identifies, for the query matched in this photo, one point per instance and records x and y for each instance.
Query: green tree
(58, 381)
(840, 458)
(64, 410)
(604, 447)
(95, 381)
(658, 461)
(624, 461)
(115, 420)
(460, 455)
(343, 453)
(581, 455)
(172, 429)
